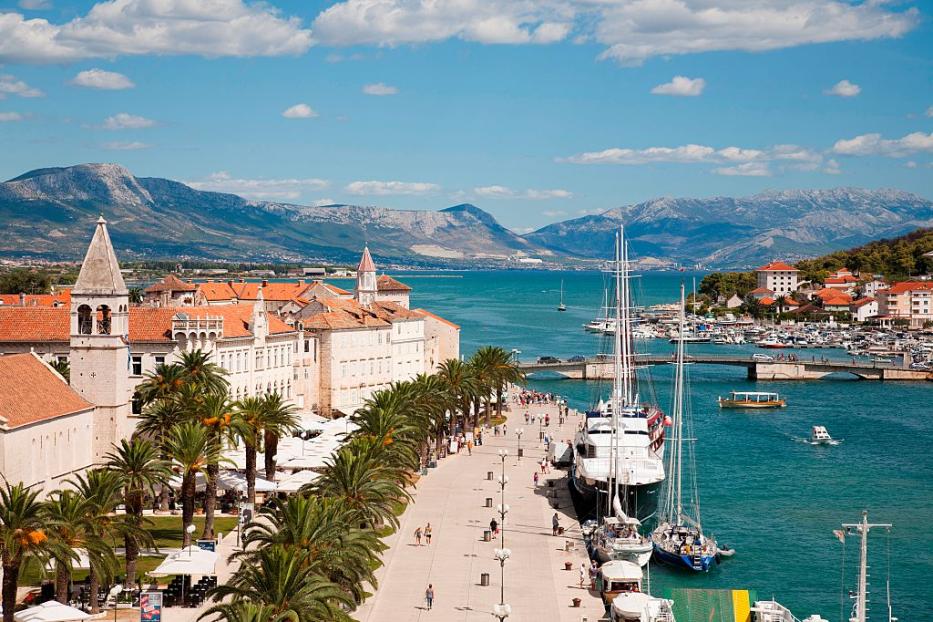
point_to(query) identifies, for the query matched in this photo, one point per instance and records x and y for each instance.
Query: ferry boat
(752, 399)
(679, 539)
(618, 452)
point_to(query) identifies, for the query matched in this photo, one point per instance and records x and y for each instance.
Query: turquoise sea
(773, 498)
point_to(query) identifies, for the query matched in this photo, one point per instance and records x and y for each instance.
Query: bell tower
(366, 279)
(99, 357)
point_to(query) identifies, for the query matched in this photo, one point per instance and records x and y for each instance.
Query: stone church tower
(99, 356)
(366, 279)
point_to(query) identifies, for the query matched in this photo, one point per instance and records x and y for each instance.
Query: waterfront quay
(452, 498)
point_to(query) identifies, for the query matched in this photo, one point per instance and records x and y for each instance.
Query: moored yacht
(623, 593)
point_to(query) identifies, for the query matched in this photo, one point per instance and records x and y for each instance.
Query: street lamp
(189, 530)
(519, 432)
(502, 610)
(115, 591)
(515, 354)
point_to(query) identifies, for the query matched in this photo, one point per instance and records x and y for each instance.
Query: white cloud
(553, 213)
(126, 121)
(844, 88)
(746, 169)
(111, 28)
(616, 155)
(35, 5)
(681, 86)
(632, 31)
(321, 202)
(384, 188)
(288, 189)
(299, 111)
(874, 144)
(930, 111)
(910, 164)
(6, 117)
(125, 146)
(832, 168)
(104, 80)
(504, 192)
(380, 89)
(10, 85)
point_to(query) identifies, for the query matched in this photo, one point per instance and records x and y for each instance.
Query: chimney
(22, 299)
(265, 282)
(301, 282)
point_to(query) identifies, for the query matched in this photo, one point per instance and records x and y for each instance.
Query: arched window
(85, 322)
(103, 320)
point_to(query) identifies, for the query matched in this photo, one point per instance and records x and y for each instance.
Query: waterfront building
(907, 300)
(170, 292)
(778, 277)
(734, 302)
(46, 427)
(441, 340)
(863, 309)
(842, 280)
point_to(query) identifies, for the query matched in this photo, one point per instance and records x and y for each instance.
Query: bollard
(576, 602)
(484, 579)
(488, 502)
(487, 535)
(489, 475)
(568, 545)
(568, 565)
(521, 452)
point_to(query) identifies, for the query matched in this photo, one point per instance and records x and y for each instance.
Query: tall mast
(616, 400)
(679, 402)
(862, 528)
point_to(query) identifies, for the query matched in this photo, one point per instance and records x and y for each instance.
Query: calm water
(773, 498)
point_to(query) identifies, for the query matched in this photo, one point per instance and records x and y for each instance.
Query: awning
(51, 611)
(226, 480)
(296, 480)
(190, 561)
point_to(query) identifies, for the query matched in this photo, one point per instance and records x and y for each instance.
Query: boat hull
(698, 563)
(744, 404)
(644, 498)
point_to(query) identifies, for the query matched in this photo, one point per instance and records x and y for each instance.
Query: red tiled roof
(386, 283)
(427, 313)
(366, 262)
(777, 266)
(767, 301)
(171, 283)
(59, 298)
(910, 286)
(31, 392)
(842, 280)
(275, 291)
(862, 302)
(828, 294)
(761, 290)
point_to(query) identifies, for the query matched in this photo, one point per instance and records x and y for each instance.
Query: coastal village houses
(910, 301)
(324, 349)
(778, 278)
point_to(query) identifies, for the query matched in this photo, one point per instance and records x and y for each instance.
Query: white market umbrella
(190, 561)
(309, 461)
(51, 611)
(296, 480)
(233, 480)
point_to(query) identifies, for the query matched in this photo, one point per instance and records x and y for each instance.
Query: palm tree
(157, 419)
(281, 580)
(191, 447)
(21, 536)
(163, 382)
(141, 469)
(69, 528)
(462, 386)
(432, 403)
(504, 371)
(63, 368)
(216, 414)
(257, 416)
(199, 371)
(281, 420)
(100, 490)
(386, 419)
(245, 611)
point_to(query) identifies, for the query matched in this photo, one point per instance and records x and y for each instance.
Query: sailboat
(618, 452)
(860, 606)
(562, 306)
(678, 539)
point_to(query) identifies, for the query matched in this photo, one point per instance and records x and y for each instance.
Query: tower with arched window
(366, 279)
(99, 356)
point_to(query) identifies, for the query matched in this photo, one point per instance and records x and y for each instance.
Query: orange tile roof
(841, 280)
(31, 392)
(147, 324)
(761, 290)
(862, 302)
(386, 283)
(767, 301)
(910, 286)
(275, 291)
(59, 298)
(827, 293)
(366, 262)
(777, 266)
(171, 283)
(427, 313)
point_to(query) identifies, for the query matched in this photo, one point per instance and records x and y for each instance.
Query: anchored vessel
(679, 539)
(622, 592)
(752, 399)
(618, 453)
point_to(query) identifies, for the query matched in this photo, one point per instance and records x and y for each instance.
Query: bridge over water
(802, 369)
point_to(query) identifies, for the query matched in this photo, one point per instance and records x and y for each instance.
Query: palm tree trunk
(10, 583)
(62, 578)
(187, 506)
(163, 498)
(499, 400)
(210, 500)
(134, 512)
(272, 445)
(93, 585)
(250, 473)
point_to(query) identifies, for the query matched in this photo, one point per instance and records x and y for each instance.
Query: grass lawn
(167, 532)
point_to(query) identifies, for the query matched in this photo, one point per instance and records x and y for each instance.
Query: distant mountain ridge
(726, 231)
(47, 213)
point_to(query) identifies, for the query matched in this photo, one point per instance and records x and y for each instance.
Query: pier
(801, 369)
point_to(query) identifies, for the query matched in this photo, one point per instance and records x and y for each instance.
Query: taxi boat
(752, 399)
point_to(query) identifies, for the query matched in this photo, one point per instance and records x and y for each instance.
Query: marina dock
(452, 497)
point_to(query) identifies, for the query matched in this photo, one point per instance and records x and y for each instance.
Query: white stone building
(778, 277)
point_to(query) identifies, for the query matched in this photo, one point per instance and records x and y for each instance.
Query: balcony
(183, 323)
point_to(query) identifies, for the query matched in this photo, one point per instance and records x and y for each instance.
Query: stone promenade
(452, 498)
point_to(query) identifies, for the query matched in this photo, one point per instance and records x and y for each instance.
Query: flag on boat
(840, 534)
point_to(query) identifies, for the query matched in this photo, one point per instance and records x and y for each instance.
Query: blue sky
(536, 110)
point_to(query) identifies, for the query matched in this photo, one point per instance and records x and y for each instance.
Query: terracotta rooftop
(861, 302)
(777, 266)
(171, 283)
(30, 392)
(427, 313)
(840, 280)
(761, 290)
(910, 286)
(59, 298)
(386, 283)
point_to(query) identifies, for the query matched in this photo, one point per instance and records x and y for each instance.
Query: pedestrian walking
(427, 533)
(536, 479)
(494, 527)
(470, 448)
(543, 464)
(429, 596)
(555, 524)
(418, 536)
(583, 573)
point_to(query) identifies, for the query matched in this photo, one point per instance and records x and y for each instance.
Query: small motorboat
(819, 435)
(725, 551)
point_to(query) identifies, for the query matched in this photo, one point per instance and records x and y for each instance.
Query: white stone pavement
(452, 499)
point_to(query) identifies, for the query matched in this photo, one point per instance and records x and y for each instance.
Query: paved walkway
(452, 498)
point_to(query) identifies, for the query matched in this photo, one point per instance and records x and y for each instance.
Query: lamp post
(519, 432)
(502, 610)
(115, 591)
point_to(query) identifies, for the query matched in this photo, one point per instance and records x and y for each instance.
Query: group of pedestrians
(426, 533)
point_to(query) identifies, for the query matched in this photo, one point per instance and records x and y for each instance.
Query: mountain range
(47, 213)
